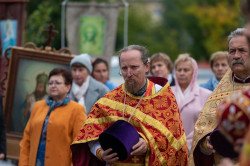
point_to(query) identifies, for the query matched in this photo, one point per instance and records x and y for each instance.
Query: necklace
(233, 84)
(135, 106)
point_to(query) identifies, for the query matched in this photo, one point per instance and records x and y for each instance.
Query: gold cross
(135, 159)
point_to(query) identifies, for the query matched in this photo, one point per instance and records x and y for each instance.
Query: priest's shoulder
(158, 80)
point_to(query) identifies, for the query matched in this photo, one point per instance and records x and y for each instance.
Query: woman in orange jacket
(53, 124)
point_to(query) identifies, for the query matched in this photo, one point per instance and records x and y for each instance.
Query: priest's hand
(209, 145)
(226, 162)
(140, 148)
(107, 157)
(238, 145)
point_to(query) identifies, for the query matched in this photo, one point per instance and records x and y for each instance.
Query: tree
(38, 21)
(200, 27)
(139, 27)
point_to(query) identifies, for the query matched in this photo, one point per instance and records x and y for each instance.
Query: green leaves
(38, 21)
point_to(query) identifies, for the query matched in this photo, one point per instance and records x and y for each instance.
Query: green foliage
(142, 30)
(216, 23)
(38, 20)
(200, 27)
(139, 27)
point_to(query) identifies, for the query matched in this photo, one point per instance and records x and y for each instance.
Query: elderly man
(85, 89)
(219, 66)
(202, 152)
(149, 107)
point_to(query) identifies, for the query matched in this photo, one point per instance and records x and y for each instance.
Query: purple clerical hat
(121, 137)
(222, 145)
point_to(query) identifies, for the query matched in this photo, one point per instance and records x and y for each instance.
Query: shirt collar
(240, 80)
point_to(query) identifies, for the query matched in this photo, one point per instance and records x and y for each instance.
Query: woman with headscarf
(190, 97)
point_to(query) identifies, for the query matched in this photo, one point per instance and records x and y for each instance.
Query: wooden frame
(24, 66)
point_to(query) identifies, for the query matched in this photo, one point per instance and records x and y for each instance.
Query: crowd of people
(176, 121)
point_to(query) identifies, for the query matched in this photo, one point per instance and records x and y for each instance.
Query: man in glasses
(149, 106)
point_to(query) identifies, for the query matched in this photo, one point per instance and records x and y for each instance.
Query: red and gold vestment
(157, 120)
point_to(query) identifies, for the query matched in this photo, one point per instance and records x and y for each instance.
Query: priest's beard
(40, 91)
(132, 85)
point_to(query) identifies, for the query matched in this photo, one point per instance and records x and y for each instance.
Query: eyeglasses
(133, 70)
(55, 83)
(122, 72)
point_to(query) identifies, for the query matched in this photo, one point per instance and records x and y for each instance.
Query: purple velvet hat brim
(222, 145)
(121, 137)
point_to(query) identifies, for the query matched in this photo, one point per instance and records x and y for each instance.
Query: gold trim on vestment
(128, 164)
(84, 141)
(98, 121)
(152, 140)
(147, 97)
(153, 90)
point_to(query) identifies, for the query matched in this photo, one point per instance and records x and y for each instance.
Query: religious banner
(8, 33)
(91, 34)
(13, 15)
(91, 28)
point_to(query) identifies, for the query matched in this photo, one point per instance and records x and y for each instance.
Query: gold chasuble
(206, 122)
(156, 119)
(245, 153)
